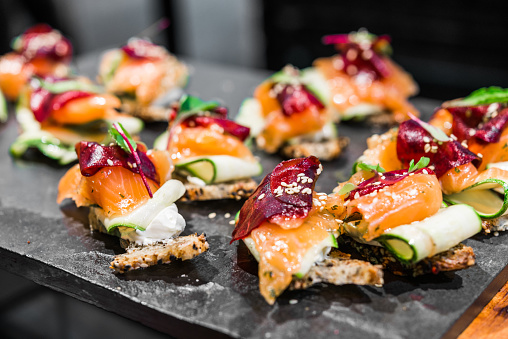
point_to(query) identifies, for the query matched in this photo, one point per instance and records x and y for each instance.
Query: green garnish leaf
(191, 105)
(347, 188)
(366, 167)
(435, 132)
(120, 140)
(422, 163)
(484, 96)
(67, 85)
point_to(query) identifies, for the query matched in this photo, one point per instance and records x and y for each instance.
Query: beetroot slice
(93, 157)
(40, 103)
(295, 99)
(273, 199)
(143, 49)
(473, 122)
(62, 99)
(60, 50)
(414, 142)
(382, 180)
(230, 127)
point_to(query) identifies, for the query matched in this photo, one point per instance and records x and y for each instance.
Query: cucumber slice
(360, 111)
(69, 85)
(3, 108)
(219, 168)
(487, 203)
(161, 142)
(142, 216)
(251, 115)
(315, 81)
(46, 143)
(448, 227)
(315, 254)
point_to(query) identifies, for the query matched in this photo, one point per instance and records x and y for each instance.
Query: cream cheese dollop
(165, 225)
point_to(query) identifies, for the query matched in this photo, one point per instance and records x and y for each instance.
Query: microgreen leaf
(422, 163)
(435, 132)
(484, 96)
(119, 138)
(366, 167)
(190, 105)
(132, 149)
(347, 188)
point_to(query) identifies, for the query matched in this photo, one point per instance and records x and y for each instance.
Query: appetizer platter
(216, 293)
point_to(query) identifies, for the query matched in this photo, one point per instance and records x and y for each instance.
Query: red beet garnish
(230, 127)
(481, 122)
(40, 103)
(36, 41)
(382, 180)
(361, 53)
(43, 102)
(296, 98)
(414, 142)
(93, 157)
(61, 99)
(143, 49)
(276, 196)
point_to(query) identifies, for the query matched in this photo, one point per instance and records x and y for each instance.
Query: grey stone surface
(216, 294)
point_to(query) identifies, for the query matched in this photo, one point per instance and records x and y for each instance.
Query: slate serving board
(216, 294)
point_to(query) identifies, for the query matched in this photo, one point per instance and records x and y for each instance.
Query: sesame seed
(480, 155)
(357, 195)
(300, 174)
(426, 139)
(134, 165)
(453, 137)
(227, 215)
(411, 174)
(425, 171)
(231, 222)
(310, 180)
(289, 191)
(110, 162)
(471, 132)
(447, 125)
(426, 148)
(323, 197)
(212, 215)
(261, 196)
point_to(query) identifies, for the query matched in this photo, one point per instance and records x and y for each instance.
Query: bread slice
(325, 150)
(183, 248)
(495, 225)
(163, 252)
(146, 113)
(456, 258)
(238, 189)
(340, 269)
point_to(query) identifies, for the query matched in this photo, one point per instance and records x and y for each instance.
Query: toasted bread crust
(339, 269)
(456, 258)
(137, 257)
(495, 225)
(238, 189)
(326, 150)
(146, 113)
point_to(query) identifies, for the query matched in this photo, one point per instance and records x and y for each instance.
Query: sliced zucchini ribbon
(413, 242)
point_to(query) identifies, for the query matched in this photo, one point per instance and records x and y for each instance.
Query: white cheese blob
(167, 224)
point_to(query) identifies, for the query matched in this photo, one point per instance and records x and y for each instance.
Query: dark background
(451, 48)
